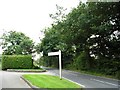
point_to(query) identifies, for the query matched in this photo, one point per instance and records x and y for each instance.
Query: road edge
(30, 84)
(83, 86)
(33, 71)
(95, 75)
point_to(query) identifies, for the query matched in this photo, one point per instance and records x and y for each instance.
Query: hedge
(16, 62)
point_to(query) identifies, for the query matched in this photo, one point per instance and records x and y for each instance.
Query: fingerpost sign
(60, 66)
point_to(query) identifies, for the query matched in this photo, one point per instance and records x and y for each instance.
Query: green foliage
(82, 62)
(16, 62)
(107, 66)
(88, 37)
(15, 43)
(35, 67)
(118, 74)
(49, 61)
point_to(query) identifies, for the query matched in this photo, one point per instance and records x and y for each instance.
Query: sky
(30, 16)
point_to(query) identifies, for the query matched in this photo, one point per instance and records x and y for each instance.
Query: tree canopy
(16, 43)
(89, 37)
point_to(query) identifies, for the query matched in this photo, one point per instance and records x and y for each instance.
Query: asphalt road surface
(11, 80)
(89, 81)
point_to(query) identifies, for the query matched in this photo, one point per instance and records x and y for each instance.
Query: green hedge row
(16, 62)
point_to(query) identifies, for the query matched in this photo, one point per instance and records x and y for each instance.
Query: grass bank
(49, 81)
(95, 73)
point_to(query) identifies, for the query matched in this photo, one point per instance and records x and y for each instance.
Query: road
(12, 80)
(89, 81)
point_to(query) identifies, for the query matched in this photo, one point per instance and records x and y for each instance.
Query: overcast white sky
(30, 16)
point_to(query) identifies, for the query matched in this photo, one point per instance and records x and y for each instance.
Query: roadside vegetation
(88, 37)
(19, 63)
(49, 81)
(96, 73)
(17, 51)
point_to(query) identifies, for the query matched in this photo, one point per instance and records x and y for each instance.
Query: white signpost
(60, 66)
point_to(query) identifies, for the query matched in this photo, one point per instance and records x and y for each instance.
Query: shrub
(16, 62)
(81, 62)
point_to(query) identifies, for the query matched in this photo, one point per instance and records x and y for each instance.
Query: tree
(16, 43)
(94, 29)
(91, 29)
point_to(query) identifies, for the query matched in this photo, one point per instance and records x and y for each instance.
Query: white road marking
(68, 80)
(105, 82)
(74, 82)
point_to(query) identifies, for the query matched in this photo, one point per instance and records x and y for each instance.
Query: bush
(16, 62)
(81, 62)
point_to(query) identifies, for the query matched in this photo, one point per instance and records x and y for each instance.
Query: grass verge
(95, 73)
(49, 81)
(26, 70)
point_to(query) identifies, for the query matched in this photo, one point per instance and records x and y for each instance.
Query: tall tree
(91, 29)
(16, 43)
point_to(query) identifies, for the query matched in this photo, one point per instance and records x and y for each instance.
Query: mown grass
(49, 81)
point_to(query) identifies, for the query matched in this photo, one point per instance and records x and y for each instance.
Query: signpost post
(60, 66)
